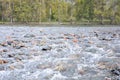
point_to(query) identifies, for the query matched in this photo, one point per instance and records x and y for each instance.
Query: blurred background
(60, 11)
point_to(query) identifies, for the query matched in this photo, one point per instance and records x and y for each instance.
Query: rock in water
(116, 49)
(3, 61)
(29, 35)
(9, 42)
(46, 48)
(116, 71)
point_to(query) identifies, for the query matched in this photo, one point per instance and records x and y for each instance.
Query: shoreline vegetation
(56, 23)
(85, 12)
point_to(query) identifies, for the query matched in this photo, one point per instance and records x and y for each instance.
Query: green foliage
(60, 10)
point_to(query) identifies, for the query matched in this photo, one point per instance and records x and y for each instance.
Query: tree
(100, 9)
(60, 10)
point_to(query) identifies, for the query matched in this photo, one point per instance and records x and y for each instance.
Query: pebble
(5, 50)
(46, 48)
(29, 35)
(10, 55)
(3, 61)
(10, 42)
(115, 72)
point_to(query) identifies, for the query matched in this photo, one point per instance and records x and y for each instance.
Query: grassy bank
(57, 23)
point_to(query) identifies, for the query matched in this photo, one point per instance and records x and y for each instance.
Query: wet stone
(9, 42)
(91, 71)
(115, 72)
(3, 44)
(3, 61)
(17, 66)
(117, 55)
(74, 56)
(91, 77)
(87, 45)
(20, 53)
(29, 35)
(4, 50)
(109, 63)
(46, 75)
(93, 50)
(61, 67)
(17, 57)
(118, 78)
(98, 78)
(83, 78)
(44, 66)
(11, 55)
(101, 45)
(1, 67)
(70, 69)
(18, 46)
(96, 34)
(116, 49)
(104, 60)
(46, 48)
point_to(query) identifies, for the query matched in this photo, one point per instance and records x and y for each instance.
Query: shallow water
(58, 53)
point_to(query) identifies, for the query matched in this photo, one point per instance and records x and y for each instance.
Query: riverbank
(55, 23)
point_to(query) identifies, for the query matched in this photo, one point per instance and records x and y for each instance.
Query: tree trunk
(12, 8)
(50, 13)
(101, 19)
(58, 14)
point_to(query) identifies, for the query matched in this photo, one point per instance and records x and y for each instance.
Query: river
(59, 53)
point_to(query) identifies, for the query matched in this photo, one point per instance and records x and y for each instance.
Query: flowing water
(59, 53)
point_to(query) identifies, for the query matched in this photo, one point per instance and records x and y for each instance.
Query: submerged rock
(3, 61)
(11, 55)
(2, 67)
(46, 48)
(4, 50)
(29, 35)
(9, 42)
(116, 49)
(115, 72)
(3, 44)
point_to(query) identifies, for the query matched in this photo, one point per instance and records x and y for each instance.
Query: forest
(73, 11)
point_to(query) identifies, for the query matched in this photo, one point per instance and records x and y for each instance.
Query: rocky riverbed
(59, 53)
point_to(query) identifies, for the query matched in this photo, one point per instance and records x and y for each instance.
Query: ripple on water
(59, 53)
